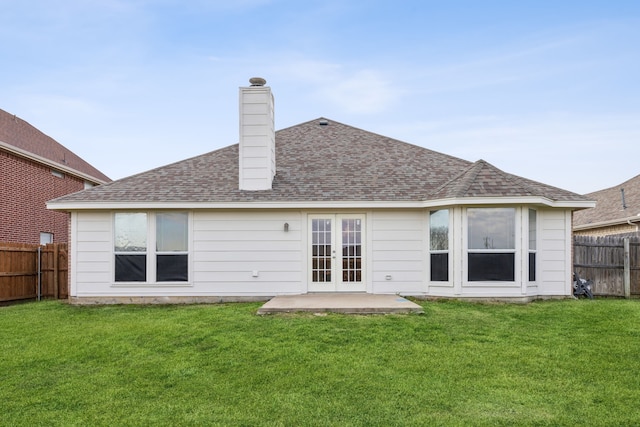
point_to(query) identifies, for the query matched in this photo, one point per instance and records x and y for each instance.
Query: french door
(336, 253)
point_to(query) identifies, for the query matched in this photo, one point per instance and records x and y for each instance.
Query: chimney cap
(257, 81)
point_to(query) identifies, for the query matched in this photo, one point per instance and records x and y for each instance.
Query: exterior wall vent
(257, 81)
(323, 123)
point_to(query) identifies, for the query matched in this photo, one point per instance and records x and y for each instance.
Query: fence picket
(19, 271)
(602, 260)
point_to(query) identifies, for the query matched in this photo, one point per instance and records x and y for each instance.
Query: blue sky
(548, 90)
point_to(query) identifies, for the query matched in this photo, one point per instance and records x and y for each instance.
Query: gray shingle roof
(335, 162)
(20, 134)
(609, 204)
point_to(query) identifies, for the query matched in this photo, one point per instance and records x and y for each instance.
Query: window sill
(151, 285)
(491, 283)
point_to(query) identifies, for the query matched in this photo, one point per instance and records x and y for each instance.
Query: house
(617, 211)
(318, 207)
(35, 168)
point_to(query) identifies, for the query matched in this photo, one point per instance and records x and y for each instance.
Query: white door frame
(336, 253)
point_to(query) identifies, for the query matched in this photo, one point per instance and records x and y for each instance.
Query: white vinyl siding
(398, 251)
(91, 253)
(554, 252)
(244, 253)
(238, 253)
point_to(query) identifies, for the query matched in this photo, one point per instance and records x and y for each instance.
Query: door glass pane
(351, 250)
(321, 250)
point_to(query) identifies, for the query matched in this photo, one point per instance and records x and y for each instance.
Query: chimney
(257, 151)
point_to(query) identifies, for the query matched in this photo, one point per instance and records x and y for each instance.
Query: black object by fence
(611, 262)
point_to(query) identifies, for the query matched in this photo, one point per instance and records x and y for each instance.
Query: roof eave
(348, 204)
(58, 166)
(609, 223)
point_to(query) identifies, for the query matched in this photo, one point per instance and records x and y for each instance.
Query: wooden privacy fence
(33, 271)
(611, 262)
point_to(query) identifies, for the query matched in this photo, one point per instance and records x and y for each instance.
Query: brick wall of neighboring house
(25, 187)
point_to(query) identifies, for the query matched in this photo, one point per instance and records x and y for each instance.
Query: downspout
(636, 225)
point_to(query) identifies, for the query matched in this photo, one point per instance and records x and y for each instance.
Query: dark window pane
(532, 266)
(172, 268)
(491, 267)
(440, 267)
(131, 268)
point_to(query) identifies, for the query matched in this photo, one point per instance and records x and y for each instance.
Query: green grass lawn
(546, 363)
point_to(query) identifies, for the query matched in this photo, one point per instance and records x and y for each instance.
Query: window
(130, 247)
(491, 244)
(171, 247)
(532, 244)
(439, 245)
(151, 247)
(46, 238)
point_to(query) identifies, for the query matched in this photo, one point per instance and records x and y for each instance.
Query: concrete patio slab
(352, 303)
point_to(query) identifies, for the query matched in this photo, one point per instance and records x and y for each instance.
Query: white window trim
(151, 253)
(529, 250)
(517, 251)
(451, 251)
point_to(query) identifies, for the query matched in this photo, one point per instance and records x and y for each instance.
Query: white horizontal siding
(554, 253)
(397, 256)
(92, 253)
(244, 252)
(235, 253)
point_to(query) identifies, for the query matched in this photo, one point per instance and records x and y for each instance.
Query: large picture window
(491, 244)
(161, 236)
(439, 245)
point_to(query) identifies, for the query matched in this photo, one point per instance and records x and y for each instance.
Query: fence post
(627, 269)
(39, 272)
(56, 272)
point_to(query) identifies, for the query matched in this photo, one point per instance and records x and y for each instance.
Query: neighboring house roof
(609, 208)
(19, 137)
(324, 163)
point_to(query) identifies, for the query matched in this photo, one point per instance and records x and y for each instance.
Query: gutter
(353, 204)
(621, 221)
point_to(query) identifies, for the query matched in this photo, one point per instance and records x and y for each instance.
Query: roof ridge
(513, 178)
(460, 182)
(18, 133)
